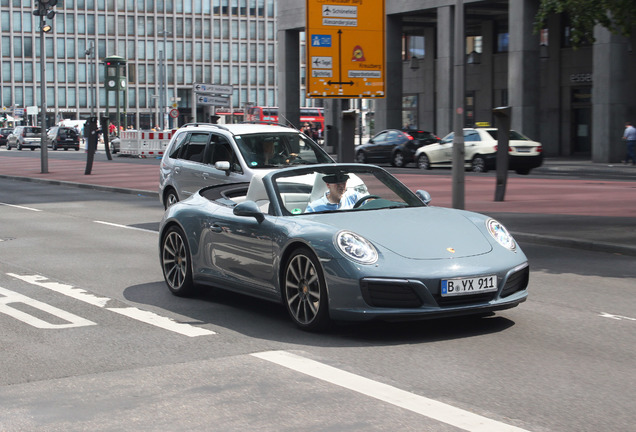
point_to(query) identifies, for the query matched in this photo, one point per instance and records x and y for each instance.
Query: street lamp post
(44, 10)
(163, 79)
(90, 52)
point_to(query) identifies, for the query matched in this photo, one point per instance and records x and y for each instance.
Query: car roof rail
(205, 124)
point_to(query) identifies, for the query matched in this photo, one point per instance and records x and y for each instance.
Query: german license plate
(523, 149)
(467, 286)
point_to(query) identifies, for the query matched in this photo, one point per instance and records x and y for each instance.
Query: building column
(612, 95)
(388, 111)
(523, 67)
(550, 134)
(289, 75)
(444, 71)
(486, 93)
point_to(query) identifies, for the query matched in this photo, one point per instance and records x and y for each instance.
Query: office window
(61, 72)
(71, 97)
(17, 46)
(70, 73)
(17, 22)
(188, 51)
(6, 72)
(70, 23)
(28, 72)
(150, 50)
(27, 22)
(81, 24)
(61, 96)
(83, 97)
(70, 48)
(502, 42)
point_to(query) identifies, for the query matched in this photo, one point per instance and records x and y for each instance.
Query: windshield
(271, 150)
(341, 188)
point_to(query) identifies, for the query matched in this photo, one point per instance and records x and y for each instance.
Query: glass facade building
(230, 42)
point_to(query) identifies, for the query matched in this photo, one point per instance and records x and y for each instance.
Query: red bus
(315, 116)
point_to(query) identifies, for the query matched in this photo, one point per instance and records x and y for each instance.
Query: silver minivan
(25, 137)
(200, 155)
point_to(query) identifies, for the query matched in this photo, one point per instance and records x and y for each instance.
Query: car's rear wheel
(478, 164)
(176, 262)
(423, 162)
(304, 291)
(523, 171)
(398, 159)
(170, 198)
(361, 157)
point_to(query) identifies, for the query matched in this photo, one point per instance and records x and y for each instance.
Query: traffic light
(44, 9)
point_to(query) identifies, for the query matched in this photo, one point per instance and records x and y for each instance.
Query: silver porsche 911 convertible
(341, 242)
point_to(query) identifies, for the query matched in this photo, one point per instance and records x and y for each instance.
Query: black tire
(18, 146)
(304, 291)
(398, 159)
(478, 164)
(54, 147)
(361, 157)
(170, 198)
(523, 171)
(423, 162)
(176, 262)
(77, 148)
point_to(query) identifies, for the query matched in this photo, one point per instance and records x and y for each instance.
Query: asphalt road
(92, 339)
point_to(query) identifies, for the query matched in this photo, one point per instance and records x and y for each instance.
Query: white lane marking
(162, 322)
(67, 290)
(20, 207)
(616, 317)
(131, 312)
(125, 226)
(7, 297)
(418, 404)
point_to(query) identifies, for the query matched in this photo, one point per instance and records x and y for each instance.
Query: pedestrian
(630, 137)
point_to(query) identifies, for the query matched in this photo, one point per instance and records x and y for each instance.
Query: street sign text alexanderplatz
(345, 48)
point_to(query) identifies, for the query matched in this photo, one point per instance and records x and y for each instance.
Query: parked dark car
(4, 134)
(395, 146)
(63, 137)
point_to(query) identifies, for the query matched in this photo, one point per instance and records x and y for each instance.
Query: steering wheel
(364, 199)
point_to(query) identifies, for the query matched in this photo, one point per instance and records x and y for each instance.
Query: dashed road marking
(418, 404)
(101, 302)
(125, 226)
(21, 207)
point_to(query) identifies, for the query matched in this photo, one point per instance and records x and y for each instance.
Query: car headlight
(501, 234)
(356, 247)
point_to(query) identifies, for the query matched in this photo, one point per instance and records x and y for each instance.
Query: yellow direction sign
(345, 49)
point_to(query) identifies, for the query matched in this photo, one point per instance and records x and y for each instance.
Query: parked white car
(480, 146)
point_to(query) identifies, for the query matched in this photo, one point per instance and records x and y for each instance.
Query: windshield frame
(408, 197)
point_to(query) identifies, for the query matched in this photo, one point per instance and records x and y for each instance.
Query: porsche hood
(420, 233)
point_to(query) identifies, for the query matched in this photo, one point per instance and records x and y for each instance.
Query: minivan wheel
(170, 198)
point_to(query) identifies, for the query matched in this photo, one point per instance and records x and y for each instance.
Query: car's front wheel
(304, 291)
(176, 262)
(398, 159)
(423, 162)
(478, 164)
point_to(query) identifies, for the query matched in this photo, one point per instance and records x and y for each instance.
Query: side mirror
(223, 166)
(424, 196)
(249, 209)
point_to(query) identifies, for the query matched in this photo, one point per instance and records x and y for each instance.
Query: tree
(618, 16)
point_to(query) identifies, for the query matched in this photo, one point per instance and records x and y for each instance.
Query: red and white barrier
(144, 143)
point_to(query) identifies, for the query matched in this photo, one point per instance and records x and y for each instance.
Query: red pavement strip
(523, 194)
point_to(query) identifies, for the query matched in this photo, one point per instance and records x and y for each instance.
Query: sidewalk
(587, 214)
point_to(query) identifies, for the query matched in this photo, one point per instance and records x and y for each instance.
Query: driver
(337, 196)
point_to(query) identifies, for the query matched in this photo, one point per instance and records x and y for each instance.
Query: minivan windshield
(268, 150)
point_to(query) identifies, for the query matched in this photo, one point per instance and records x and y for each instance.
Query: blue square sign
(321, 40)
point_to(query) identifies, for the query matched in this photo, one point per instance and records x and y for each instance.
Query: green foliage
(618, 16)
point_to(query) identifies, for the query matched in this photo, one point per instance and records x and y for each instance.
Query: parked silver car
(200, 155)
(25, 136)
